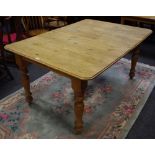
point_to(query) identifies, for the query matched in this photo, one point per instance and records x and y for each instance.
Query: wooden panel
(84, 49)
(145, 19)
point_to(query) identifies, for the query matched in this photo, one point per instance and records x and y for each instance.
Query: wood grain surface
(83, 49)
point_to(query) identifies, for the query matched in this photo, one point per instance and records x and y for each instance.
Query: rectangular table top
(83, 49)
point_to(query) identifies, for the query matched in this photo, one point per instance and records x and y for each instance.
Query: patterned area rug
(112, 104)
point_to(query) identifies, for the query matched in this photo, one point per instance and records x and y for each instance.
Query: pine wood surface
(82, 50)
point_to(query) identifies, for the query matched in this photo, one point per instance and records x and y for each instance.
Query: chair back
(32, 22)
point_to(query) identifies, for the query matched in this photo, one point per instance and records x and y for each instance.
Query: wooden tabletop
(82, 50)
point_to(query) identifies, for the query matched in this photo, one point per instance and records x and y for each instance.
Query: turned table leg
(79, 87)
(24, 77)
(134, 60)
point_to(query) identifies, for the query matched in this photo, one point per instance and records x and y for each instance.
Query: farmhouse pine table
(80, 51)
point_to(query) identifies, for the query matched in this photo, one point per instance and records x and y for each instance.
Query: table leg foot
(25, 78)
(79, 87)
(134, 59)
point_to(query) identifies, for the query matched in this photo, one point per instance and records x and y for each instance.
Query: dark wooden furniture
(54, 22)
(34, 25)
(139, 19)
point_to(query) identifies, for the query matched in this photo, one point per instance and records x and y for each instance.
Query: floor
(144, 126)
